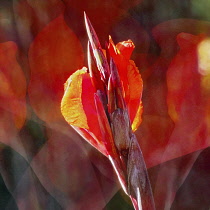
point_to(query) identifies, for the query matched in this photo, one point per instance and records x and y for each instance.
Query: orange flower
(92, 95)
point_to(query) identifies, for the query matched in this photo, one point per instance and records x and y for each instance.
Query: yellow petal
(71, 104)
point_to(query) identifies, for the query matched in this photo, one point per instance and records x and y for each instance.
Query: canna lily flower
(103, 104)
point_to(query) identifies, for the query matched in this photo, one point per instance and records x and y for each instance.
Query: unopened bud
(121, 129)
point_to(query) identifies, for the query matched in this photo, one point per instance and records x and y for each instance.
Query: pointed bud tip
(87, 24)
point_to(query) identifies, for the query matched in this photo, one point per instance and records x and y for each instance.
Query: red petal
(135, 93)
(78, 108)
(106, 133)
(130, 78)
(53, 55)
(89, 107)
(126, 48)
